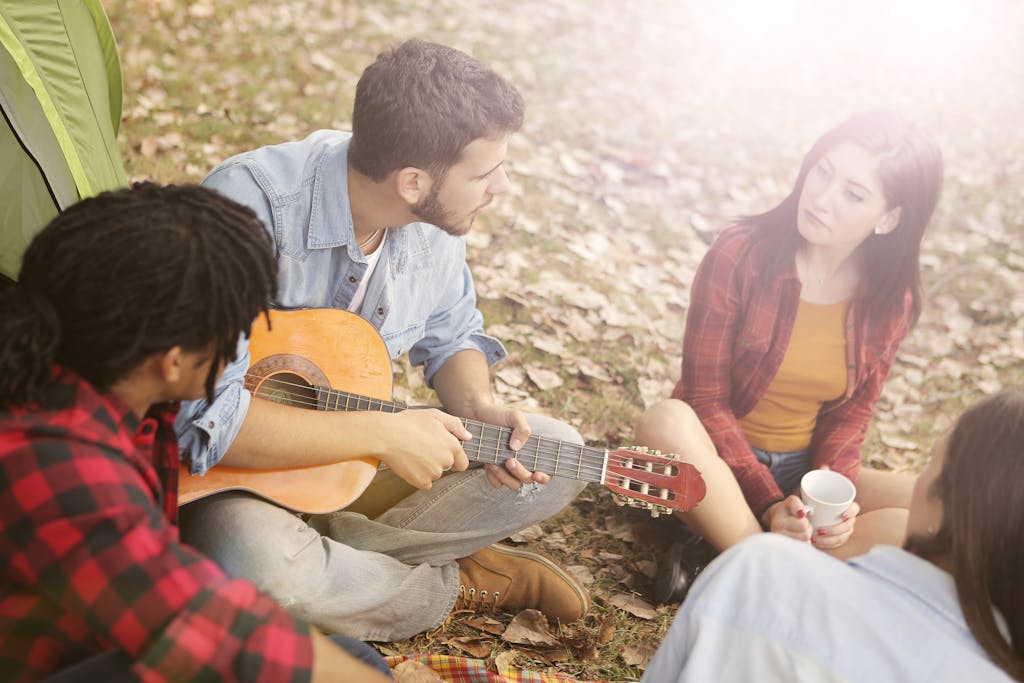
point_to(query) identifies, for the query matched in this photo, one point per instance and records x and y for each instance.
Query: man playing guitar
(371, 222)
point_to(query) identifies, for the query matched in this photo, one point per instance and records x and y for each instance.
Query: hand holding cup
(826, 495)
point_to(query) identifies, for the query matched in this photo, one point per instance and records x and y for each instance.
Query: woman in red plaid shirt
(121, 308)
(795, 317)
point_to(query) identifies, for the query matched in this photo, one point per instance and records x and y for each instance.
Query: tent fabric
(60, 95)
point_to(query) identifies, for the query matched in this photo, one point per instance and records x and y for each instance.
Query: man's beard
(431, 210)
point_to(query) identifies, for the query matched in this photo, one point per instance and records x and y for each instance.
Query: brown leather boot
(503, 578)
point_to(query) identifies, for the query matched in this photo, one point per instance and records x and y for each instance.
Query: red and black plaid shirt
(92, 561)
(737, 333)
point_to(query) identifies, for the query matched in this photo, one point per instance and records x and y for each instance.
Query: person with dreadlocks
(120, 309)
(372, 222)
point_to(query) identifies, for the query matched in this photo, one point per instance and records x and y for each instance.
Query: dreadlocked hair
(126, 274)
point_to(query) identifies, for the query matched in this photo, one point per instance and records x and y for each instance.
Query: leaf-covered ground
(650, 126)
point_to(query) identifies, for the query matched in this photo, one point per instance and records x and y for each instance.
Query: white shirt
(774, 609)
(371, 263)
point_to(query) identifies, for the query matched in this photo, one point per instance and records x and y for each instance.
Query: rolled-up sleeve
(206, 430)
(455, 326)
(706, 381)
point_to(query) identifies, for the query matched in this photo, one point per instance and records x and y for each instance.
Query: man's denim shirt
(420, 296)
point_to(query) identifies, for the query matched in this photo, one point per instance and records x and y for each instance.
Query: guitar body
(303, 351)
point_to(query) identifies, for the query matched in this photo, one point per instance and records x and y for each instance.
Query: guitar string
(545, 458)
(550, 454)
(313, 403)
(483, 439)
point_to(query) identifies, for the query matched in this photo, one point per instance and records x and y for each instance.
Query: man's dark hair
(126, 274)
(421, 103)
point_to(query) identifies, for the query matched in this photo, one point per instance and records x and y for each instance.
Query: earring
(931, 530)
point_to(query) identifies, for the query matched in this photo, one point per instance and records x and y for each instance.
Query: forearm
(463, 384)
(275, 435)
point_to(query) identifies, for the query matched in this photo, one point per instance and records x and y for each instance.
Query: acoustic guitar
(328, 359)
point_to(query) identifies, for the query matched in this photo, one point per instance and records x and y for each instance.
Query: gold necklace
(369, 240)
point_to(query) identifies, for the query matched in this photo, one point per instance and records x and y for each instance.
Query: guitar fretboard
(490, 442)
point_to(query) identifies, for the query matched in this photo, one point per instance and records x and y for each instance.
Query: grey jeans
(372, 572)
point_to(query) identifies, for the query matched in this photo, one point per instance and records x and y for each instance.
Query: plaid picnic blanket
(463, 670)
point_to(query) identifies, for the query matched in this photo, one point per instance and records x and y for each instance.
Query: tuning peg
(657, 510)
(653, 451)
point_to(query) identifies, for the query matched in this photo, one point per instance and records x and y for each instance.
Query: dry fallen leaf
(478, 648)
(636, 606)
(619, 527)
(530, 533)
(503, 662)
(548, 656)
(529, 627)
(543, 378)
(487, 625)
(581, 573)
(411, 671)
(607, 629)
(591, 369)
(548, 343)
(639, 653)
(897, 442)
(512, 375)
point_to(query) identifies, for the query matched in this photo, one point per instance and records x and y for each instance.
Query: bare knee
(662, 419)
(671, 426)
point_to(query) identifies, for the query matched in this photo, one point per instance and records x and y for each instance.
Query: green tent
(60, 93)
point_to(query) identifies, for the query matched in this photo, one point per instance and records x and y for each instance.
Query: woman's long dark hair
(910, 166)
(981, 487)
(126, 274)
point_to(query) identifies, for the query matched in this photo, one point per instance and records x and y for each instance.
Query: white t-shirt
(371, 263)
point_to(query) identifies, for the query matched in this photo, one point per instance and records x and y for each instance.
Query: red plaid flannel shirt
(737, 332)
(92, 562)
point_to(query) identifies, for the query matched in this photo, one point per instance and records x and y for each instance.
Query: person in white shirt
(948, 606)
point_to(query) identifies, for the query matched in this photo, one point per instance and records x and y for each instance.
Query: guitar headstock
(657, 481)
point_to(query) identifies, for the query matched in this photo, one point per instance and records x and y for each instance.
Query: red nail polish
(801, 514)
(821, 532)
(814, 541)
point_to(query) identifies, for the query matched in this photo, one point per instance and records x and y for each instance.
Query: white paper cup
(826, 495)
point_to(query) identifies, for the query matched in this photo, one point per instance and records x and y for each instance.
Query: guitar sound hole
(288, 388)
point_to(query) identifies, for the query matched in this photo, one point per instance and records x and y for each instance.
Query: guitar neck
(490, 442)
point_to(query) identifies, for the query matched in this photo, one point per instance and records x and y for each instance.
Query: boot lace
(471, 598)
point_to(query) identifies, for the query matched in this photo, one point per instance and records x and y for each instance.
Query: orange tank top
(813, 371)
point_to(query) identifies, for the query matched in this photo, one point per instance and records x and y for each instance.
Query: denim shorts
(786, 468)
